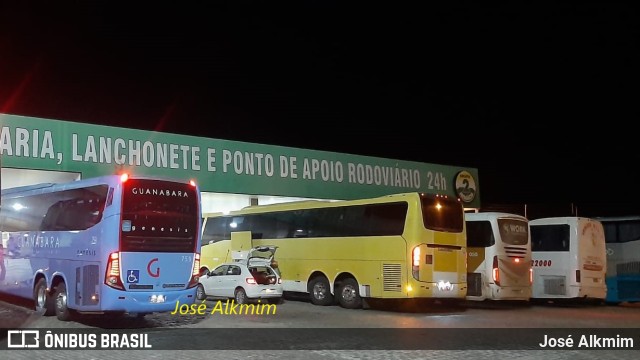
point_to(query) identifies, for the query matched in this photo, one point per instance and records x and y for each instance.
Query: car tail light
(251, 281)
(279, 280)
(112, 276)
(195, 272)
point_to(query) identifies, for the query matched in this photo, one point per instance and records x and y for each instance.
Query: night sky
(542, 99)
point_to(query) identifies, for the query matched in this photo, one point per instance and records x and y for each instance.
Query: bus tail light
(577, 275)
(124, 177)
(496, 271)
(530, 276)
(415, 269)
(195, 273)
(112, 276)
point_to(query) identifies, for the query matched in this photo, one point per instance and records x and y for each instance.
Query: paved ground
(320, 355)
(15, 314)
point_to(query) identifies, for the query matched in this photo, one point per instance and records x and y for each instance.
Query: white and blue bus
(622, 236)
(111, 244)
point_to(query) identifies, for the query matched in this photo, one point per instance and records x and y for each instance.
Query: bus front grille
(474, 284)
(88, 276)
(515, 251)
(629, 289)
(555, 285)
(392, 277)
(629, 268)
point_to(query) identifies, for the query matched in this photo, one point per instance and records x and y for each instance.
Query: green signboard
(222, 165)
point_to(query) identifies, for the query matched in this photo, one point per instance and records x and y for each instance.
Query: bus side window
(283, 224)
(50, 220)
(301, 226)
(215, 229)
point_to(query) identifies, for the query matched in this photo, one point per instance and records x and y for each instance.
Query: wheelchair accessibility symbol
(133, 276)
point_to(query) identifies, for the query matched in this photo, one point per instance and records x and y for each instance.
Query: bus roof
(560, 220)
(618, 218)
(19, 189)
(310, 204)
(49, 187)
(491, 215)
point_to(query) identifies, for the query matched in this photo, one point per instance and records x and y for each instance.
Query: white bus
(569, 258)
(622, 235)
(498, 257)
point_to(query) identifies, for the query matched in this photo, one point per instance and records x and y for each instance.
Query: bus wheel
(63, 313)
(200, 294)
(320, 291)
(349, 294)
(42, 299)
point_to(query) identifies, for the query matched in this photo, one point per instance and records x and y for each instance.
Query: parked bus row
(139, 245)
(415, 245)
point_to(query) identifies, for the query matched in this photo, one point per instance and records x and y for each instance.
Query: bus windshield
(513, 231)
(550, 237)
(442, 213)
(158, 216)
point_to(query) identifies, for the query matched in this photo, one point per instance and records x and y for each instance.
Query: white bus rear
(568, 258)
(498, 257)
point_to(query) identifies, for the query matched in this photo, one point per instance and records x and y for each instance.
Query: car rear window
(263, 275)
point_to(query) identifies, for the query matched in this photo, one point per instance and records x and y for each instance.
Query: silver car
(252, 275)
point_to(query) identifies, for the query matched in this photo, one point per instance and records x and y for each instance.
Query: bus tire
(349, 294)
(42, 299)
(320, 291)
(63, 313)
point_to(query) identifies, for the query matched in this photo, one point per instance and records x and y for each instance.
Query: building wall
(220, 166)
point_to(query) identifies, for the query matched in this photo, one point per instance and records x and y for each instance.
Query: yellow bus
(400, 246)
